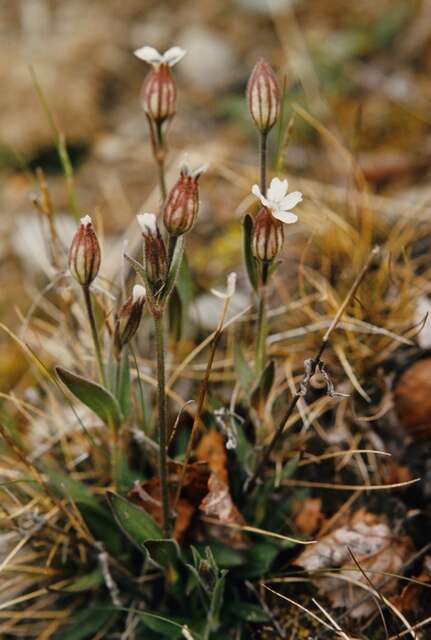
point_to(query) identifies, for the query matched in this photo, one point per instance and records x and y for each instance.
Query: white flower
(86, 220)
(230, 288)
(147, 222)
(138, 293)
(278, 200)
(155, 58)
(186, 169)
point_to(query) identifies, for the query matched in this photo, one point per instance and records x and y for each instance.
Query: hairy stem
(94, 334)
(162, 424)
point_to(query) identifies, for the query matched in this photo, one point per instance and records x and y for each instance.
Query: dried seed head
(155, 258)
(263, 96)
(267, 237)
(182, 204)
(128, 318)
(84, 254)
(159, 94)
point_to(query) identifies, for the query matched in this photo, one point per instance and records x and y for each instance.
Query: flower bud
(84, 254)
(267, 236)
(155, 258)
(263, 96)
(128, 318)
(159, 94)
(182, 204)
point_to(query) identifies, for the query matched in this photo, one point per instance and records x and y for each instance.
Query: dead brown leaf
(309, 515)
(377, 551)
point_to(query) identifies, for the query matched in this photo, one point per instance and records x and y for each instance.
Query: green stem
(162, 424)
(262, 160)
(261, 332)
(95, 336)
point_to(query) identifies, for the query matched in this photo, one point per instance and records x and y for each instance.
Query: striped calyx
(155, 257)
(263, 96)
(182, 204)
(159, 94)
(267, 236)
(84, 254)
(128, 318)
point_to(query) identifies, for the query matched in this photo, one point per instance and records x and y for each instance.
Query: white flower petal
(138, 292)
(86, 220)
(147, 222)
(149, 54)
(290, 201)
(288, 217)
(230, 288)
(173, 55)
(277, 189)
(257, 192)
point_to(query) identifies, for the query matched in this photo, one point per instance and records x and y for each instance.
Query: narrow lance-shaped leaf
(173, 269)
(93, 395)
(136, 523)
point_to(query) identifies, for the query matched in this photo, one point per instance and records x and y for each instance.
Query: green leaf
(123, 391)
(165, 552)
(260, 559)
(173, 269)
(243, 370)
(217, 596)
(263, 388)
(93, 395)
(225, 556)
(139, 269)
(248, 612)
(84, 583)
(136, 523)
(175, 316)
(250, 261)
(86, 623)
(167, 627)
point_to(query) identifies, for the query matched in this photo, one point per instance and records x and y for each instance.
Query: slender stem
(262, 160)
(261, 316)
(261, 332)
(162, 178)
(160, 158)
(94, 334)
(162, 424)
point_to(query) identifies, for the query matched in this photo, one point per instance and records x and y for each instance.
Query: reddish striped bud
(182, 205)
(263, 96)
(267, 237)
(128, 318)
(159, 94)
(155, 258)
(84, 254)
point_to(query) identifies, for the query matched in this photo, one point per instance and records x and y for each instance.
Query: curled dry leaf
(218, 502)
(375, 548)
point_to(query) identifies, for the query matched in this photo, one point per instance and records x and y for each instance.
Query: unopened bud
(263, 96)
(128, 318)
(159, 94)
(267, 236)
(155, 258)
(182, 205)
(84, 254)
